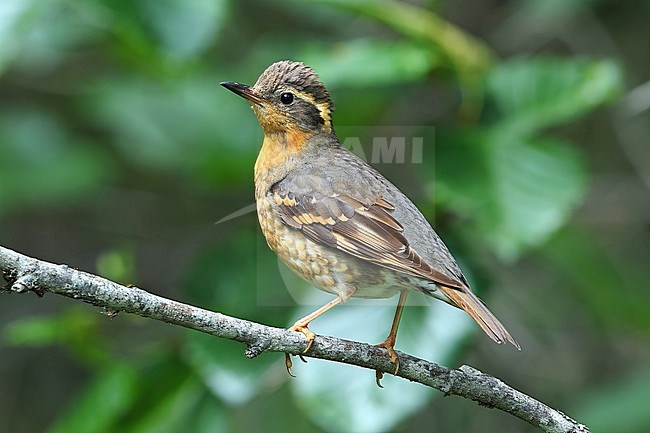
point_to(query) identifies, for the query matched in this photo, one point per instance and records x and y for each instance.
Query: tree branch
(25, 274)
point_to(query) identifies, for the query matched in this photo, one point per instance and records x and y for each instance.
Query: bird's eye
(286, 98)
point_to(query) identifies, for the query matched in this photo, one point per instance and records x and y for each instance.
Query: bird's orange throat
(278, 149)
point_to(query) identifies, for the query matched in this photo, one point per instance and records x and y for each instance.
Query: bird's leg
(389, 342)
(301, 326)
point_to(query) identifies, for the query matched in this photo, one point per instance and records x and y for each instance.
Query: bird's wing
(360, 222)
(365, 230)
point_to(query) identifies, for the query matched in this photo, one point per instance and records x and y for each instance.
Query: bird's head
(288, 97)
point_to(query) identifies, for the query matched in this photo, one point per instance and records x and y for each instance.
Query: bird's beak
(244, 91)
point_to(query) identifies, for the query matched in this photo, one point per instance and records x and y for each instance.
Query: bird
(335, 220)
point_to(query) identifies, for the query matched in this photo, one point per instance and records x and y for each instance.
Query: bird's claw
(378, 376)
(394, 359)
(310, 336)
(288, 364)
(388, 344)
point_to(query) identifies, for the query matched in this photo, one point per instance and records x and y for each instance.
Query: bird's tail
(473, 306)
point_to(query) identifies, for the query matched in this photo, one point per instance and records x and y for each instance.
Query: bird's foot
(302, 327)
(389, 345)
(310, 336)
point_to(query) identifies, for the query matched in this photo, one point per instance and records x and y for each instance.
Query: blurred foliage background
(119, 152)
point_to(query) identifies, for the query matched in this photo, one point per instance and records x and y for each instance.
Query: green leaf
(76, 328)
(467, 55)
(13, 17)
(224, 370)
(185, 29)
(620, 406)
(38, 36)
(515, 192)
(364, 62)
(614, 291)
(240, 277)
(183, 124)
(167, 393)
(118, 264)
(535, 93)
(109, 396)
(207, 416)
(537, 185)
(40, 162)
(548, 15)
(172, 410)
(428, 331)
(46, 330)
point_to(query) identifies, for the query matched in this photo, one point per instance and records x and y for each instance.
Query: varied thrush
(335, 220)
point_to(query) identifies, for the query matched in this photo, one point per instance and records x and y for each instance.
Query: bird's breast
(328, 269)
(278, 153)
